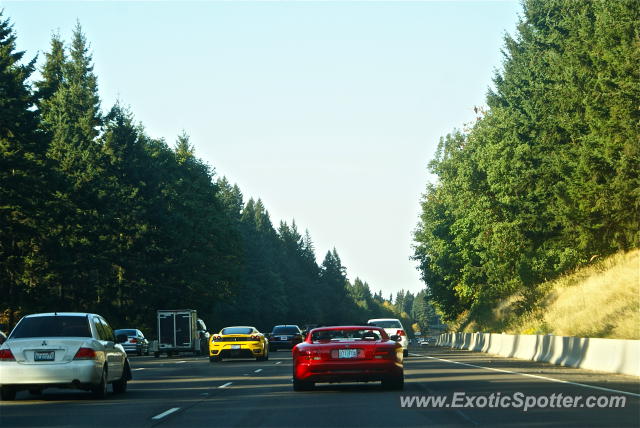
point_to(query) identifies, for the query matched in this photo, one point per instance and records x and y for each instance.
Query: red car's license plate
(347, 353)
(44, 356)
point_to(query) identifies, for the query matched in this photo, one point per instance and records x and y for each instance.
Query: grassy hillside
(600, 300)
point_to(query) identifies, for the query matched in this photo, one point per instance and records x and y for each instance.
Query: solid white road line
(257, 371)
(535, 376)
(225, 385)
(163, 414)
(180, 362)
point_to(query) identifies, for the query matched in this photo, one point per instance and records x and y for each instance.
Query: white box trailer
(180, 330)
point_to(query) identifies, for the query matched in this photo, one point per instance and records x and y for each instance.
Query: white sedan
(62, 350)
(395, 330)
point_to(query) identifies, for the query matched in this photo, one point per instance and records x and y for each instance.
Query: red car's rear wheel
(302, 385)
(396, 383)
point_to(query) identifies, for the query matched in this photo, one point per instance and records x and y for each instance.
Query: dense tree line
(547, 178)
(95, 215)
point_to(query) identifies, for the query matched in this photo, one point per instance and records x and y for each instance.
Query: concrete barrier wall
(608, 355)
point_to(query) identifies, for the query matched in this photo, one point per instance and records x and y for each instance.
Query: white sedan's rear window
(386, 324)
(52, 326)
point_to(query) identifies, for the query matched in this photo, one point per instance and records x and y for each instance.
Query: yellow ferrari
(238, 342)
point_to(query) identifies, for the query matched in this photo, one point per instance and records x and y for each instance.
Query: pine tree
(53, 75)
(25, 181)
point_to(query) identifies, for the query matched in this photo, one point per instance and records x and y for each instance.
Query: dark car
(284, 336)
(136, 341)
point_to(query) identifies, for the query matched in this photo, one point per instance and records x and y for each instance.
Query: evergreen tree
(333, 281)
(544, 180)
(53, 75)
(23, 182)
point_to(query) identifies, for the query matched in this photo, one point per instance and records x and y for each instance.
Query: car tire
(405, 353)
(395, 384)
(302, 385)
(120, 386)
(156, 354)
(215, 359)
(7, 393)
(100, 389)
(35, 391)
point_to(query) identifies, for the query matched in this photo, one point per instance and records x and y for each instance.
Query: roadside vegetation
(545, 182)
(599, 300)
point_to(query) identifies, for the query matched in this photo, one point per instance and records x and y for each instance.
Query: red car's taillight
(385, 354)
(85, 354)
(6, 355)
(310, 355)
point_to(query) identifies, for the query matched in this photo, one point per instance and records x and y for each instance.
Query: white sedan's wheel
(120, 386)
(100, 390)
(7, 393)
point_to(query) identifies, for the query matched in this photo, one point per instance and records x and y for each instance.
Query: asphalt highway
(189, 391)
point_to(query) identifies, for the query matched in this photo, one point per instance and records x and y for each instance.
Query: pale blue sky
(328, 111)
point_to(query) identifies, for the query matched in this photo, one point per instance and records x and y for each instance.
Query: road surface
(192, 392)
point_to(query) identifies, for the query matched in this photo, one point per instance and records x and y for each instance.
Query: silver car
(136, 342)
(63, 350)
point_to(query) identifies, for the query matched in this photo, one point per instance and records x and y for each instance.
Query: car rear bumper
(348, 371)
(246, 350)
(133, 347)
(404, 342)
(282, 345)
(73, 373)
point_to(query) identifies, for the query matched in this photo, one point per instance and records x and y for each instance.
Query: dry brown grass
(602, 300)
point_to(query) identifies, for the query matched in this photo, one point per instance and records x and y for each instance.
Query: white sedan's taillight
(85, 354)
(6, 355)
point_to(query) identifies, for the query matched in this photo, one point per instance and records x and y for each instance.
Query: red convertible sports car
(347, 354)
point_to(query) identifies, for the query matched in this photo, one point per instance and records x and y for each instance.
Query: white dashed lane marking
(225, 385)
(167, 413)
(534, 376)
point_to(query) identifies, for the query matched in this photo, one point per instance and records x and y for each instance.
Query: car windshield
(52, 326)
(386, 324)
(286, 330)
(237, 330)
(127, 332)
(347, 335)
